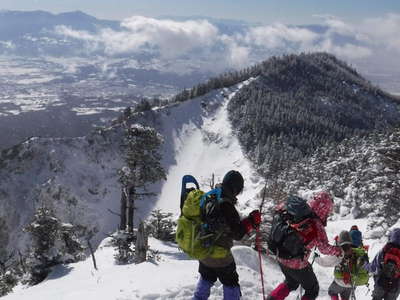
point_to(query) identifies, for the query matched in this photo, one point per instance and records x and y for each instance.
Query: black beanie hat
(233, 181)
(345, 238)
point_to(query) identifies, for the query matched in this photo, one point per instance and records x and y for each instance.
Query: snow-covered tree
(7, 282)
(8, 278)
(141, 146)
(161, 225)
(142, 157)
(53, 242)
(123, 242)
(4, 236)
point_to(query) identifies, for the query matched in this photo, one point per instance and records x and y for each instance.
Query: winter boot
(203, 289)
(231, 292)
(334, 297)
(280, 292)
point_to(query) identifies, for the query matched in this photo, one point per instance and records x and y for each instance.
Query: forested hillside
(301, 102)
(362, 173)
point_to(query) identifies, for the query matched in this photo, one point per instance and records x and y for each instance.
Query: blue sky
(266, 11)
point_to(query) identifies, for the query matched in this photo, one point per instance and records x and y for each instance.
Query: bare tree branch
(146, 194)
(92, 253)
(263, 197)
(113, 212)
(21, 261)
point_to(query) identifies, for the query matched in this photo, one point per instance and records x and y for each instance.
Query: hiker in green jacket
(349, 269)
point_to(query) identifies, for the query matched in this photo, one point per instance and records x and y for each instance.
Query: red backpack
(391, 262)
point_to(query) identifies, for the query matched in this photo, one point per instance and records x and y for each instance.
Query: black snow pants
(226, 275)
(304, 277)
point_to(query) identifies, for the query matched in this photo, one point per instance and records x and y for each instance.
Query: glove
(255, 218)
(247, 224)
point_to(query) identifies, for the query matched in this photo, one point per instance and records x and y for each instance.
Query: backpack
(200, 225)
(356, 237)
(391, 262)
(351, 270)
(292, 229)
(389, 274)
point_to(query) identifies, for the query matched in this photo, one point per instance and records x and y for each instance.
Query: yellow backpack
(193, 234)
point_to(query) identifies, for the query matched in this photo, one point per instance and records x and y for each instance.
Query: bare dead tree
(122, 224)
(131, 207)
(141, 245)
(92, 253)
(21, 261)
(212, 182)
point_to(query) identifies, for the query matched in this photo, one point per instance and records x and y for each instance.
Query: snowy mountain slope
(78, 177)
(202, 146)
(173, 276)
(75, 177)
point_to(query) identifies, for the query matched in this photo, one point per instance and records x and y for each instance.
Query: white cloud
(338, 26)
(201, 41)
(346, 51)
(384, 31)
(237, 55)
(7, 44)
(278, 35)
(170, 38)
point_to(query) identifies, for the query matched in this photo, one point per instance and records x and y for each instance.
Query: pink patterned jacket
(322, 205)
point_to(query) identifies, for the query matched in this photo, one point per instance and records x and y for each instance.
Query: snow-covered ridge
(77, 177)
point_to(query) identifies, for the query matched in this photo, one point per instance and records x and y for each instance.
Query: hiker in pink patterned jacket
(298, 271)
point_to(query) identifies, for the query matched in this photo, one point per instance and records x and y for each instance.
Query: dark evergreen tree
(8, 276)
(161, 225)
(53, 242)
(123, 242)
(143, 167)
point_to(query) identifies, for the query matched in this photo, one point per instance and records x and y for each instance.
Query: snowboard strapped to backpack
(199, 225)
(292, 229)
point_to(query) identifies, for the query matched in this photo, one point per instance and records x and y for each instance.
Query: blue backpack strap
(216, 191)
(210, 229)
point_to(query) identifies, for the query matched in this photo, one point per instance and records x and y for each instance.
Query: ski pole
(352, 281)
(260, 259)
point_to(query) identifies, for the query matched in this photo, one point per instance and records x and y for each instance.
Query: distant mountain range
(86, 70)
